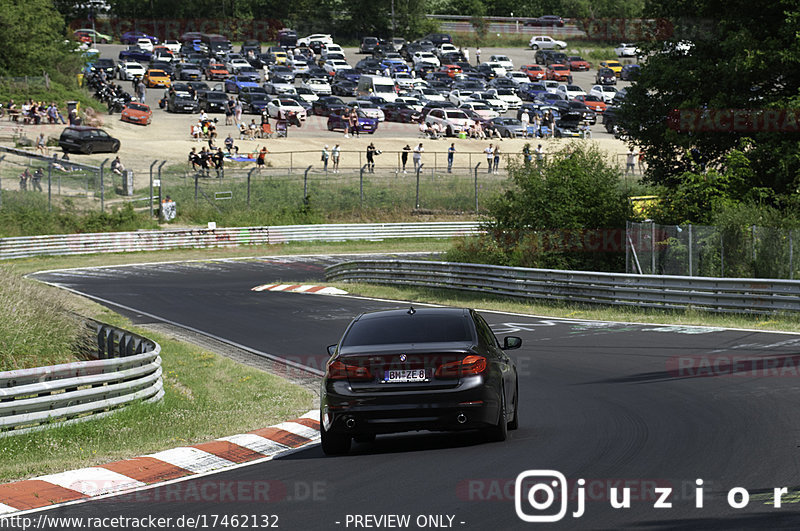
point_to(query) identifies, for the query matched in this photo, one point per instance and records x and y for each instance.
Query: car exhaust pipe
(461, 418)
(350, 422)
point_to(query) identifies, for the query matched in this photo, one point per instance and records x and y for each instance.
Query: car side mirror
(511, 342)
(331, 349)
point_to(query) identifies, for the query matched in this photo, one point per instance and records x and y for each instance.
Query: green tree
(33, 40)
(555, 213)
(742, 55)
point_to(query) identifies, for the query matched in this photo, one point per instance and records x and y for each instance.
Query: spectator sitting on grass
(117, 167)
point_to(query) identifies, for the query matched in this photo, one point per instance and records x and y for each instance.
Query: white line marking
(92, 481)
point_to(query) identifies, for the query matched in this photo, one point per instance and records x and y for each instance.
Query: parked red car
(559, 72)
(534, 72)
(577, 63)
(136, 113)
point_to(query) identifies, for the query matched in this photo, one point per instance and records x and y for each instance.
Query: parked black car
(250, 45)
(368, 45)
(180, 102)
(439, 38)
(553, 21)
(287, 38)
(418, 369)
(400, 112)
(326, 105)
(344, 87)
(630, 72)
(213, 101)
(88, 140)
(605, 76)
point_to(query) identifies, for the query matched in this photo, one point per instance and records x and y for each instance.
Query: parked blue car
(235, 84)
(365, 124)
(130, 37)
(134, 53)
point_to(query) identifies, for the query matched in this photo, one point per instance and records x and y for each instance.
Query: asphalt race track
(647, 407)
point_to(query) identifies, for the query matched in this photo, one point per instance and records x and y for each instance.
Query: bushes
(561, 215)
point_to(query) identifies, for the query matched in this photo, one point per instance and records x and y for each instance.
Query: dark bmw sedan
(418, 369)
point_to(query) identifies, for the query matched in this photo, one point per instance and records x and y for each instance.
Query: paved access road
(619, 405)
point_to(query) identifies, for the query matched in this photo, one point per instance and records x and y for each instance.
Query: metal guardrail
(726, 295)
(114, 242)
(127, 370)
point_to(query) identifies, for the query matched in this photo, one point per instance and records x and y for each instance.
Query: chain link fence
(696, 250)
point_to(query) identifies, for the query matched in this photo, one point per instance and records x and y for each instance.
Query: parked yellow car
(156, 78)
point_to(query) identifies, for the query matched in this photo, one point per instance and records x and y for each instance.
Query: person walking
(631, 162)
(371, 152)
(418, 151)
(489, 154)
(451, 152)
(335, 158)
(404, 157)
(324, 158)
(141, 92)
(37, 179)
(478, 55)
(496, 156)
(237, 112)
(539, 156)
(466, 55)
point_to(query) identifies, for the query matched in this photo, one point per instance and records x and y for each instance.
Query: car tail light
(339, 370)
(465, 367)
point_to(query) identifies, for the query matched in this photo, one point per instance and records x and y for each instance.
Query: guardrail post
(102, 187)
(361, 185)
(1, 185)
(476, 187)
(652, 248)
(49, 186)
(791, 255)
(305, 185)
(249, 175)
(419, 169)
(721, 255)
(151, 186)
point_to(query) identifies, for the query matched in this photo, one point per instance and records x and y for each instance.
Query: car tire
(449, 131)
(334, 443)
(116, 148)
(514, 424)
(499, 432)
(89, 149)
(535, 47)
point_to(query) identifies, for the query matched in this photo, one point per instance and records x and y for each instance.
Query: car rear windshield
(408, 329)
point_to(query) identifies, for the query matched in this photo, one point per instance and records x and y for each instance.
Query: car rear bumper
(464, 407)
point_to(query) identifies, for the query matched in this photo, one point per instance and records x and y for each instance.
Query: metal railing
(652, 291)
(127, 370)
(114, 242)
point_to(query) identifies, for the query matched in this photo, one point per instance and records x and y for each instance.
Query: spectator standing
(466, 55)
(496, 157)
(451, 152)
(404, 157)
(237, 112)
(219, 162)
(478, 55)
(37, 179)
(418, 151)
(23, 179)
(194, 159)
(335, 158)
(141, 92)
(526, 153)
(229, 106)
(324, 159)
(261, 158)
(371, 151)
(489, 154)
(630, 166)
(539, 156)
(525, 119)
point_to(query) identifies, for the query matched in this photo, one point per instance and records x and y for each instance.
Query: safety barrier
(154, 240)
(127, 370)
(730, 295)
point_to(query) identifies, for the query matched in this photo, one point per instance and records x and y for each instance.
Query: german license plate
(405, 375)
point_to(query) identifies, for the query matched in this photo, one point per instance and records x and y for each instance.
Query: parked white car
(369, 109)
(504, 61)
(492, 101)
(172, 45)
(414, 103)
(551, 85)
(518, 77)
(279, 87)
(451, 121)
(324, 38)
(446, 47)
(306, 94)
(460, 96)
(481, 109)
(332, 48)
(426, 94)
(318, 86)
(403, 81)
(145, 44)
(235, 64)
(278, 107)
(605, 92)
(570, 91)
(129, 70)
(498, 69)
(626, 50)
(334, 65)
(507, 95)
(425, 57)
(543, 42)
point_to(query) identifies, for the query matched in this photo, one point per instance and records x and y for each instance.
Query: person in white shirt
(418, 156)
(489, 157)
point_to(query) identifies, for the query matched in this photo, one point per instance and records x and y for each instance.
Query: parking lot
(168, 136)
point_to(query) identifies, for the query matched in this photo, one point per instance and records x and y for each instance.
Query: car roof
(380, 314)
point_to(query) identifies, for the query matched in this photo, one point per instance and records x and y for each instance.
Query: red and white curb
(124, 476)
(300, 288)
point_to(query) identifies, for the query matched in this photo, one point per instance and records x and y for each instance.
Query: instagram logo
(535, 492)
